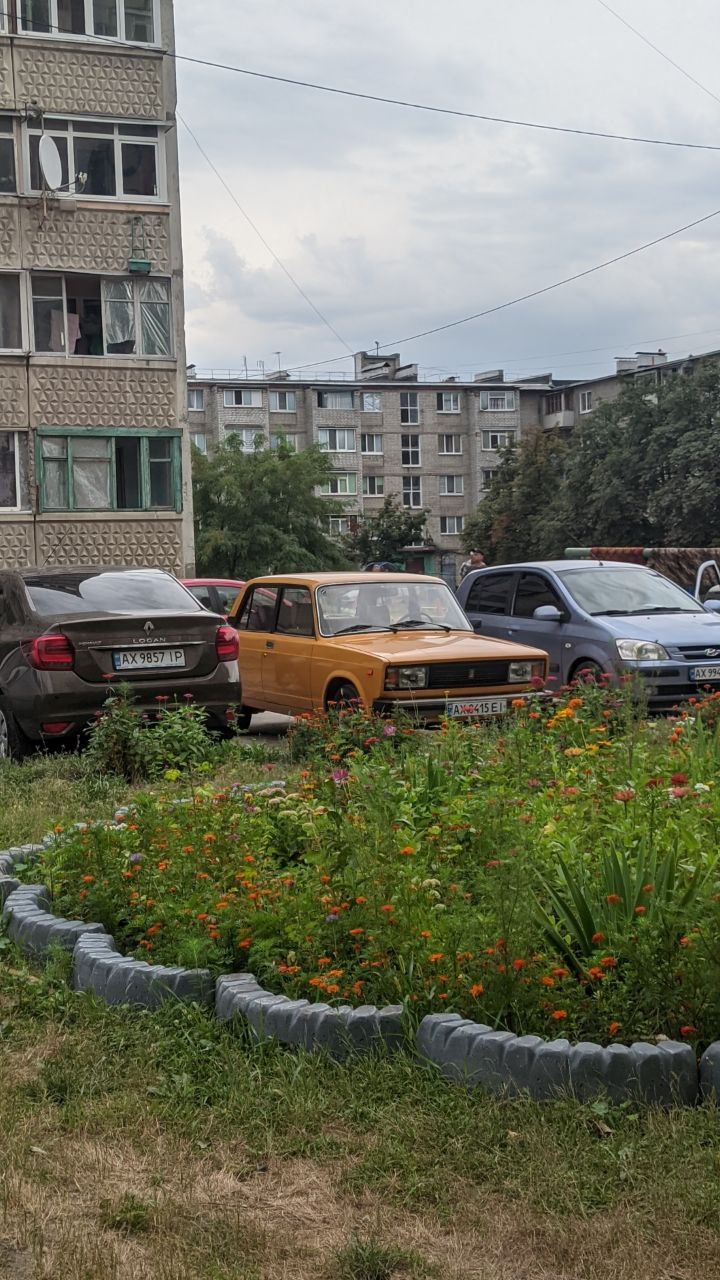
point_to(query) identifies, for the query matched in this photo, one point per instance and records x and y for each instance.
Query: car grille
(466, 675)
(697, 653)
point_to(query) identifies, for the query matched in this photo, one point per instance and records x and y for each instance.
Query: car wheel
(343, 694)
(13, 743)
(587, 672)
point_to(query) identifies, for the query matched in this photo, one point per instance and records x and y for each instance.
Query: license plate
(148, 659)
(701, 674)
(477, 707)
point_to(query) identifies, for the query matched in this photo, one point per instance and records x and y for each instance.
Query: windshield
(383, 605)
(617, 591)
(88, 592)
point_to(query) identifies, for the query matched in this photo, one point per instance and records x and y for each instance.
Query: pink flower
(389, 731)
(339, 776)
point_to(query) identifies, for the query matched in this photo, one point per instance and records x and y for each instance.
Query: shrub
(128, 742)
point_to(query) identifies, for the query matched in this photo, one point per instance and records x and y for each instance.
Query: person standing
(475, 560)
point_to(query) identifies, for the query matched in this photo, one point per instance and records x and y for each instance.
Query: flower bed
(556, 874)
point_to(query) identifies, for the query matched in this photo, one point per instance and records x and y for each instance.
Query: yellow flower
(573, 751)
(549, 829)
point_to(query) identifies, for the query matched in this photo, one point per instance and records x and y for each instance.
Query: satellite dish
(50, 162)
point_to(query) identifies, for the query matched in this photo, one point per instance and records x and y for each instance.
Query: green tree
(259, 512)
(523, 516)
(385, 535)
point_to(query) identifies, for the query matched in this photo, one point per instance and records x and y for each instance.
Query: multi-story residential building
(94, 460)
(434, 444)
(566, 403)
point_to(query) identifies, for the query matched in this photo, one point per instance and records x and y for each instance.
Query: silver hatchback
(593, 617)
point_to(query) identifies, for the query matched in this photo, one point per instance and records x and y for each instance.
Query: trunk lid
(141, 647)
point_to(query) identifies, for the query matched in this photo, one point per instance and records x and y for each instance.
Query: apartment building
(435, 444)
(565, 403)
(94, 457)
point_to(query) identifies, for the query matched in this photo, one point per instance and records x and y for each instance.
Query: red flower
(612, 898)
(476, 989)
(614, 1028)
(558, 1014)
(609, 962)
(596, 973)
(640, 911)
(679, 779)
(598, 937)
(624, 796)
(688, 1031)
(518, 965)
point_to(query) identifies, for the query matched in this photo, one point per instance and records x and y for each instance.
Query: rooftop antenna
(278, 354)
(377, 349)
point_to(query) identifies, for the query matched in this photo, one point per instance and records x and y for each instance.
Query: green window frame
(62, 488)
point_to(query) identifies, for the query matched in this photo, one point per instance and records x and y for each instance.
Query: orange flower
(688, 1031)
(559, 1014)
(609, 962)
(640, 911)
(355, 933)
(387, 907)
(332, 988)
(335, 973)
(436, 957)
(685, 941)
(88, 879)
(518, 965)
(614, 1028)
(324, 960)
(547, 982)
(407, 850)
(596, 973)
(560, 973)
(324, 879)
(598, 937)
(361, 901)
(476, 990)
(518, 702)
(648, 888)
(244, 944)
(612, 898)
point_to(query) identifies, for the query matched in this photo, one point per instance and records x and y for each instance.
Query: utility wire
(525, 297)
(403, 102)
(261, 237)
(659, 51)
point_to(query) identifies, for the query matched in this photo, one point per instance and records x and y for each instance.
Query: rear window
(131, 592)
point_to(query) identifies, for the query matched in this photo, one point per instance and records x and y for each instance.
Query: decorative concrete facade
(94, 451)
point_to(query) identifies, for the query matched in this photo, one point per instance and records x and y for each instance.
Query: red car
(216, 594)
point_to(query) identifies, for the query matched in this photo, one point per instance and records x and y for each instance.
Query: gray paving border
(469, 1053)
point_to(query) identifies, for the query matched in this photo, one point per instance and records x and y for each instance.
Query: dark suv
(68, 635)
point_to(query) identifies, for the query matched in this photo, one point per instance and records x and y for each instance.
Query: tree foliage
(385, 535)
(259, 512)
(642, 470)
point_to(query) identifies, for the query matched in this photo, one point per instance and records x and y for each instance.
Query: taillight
(226, 644)
(51, 653)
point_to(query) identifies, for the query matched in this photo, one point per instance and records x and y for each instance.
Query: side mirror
(548, 613)
(712, 606)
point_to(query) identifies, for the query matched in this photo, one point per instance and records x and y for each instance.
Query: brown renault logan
(68, 635)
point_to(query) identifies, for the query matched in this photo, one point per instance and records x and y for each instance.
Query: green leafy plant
(131, 744)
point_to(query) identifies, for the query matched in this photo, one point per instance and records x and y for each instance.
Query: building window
(586, 401)
(487, 475)
(336, 399)
(242, 397)
(498, 439)
(131, 20)
(248, 438)
(8, 177)
(336, 439)
(90, 316)
(342, 484)
(449, 444)
(10, 471)
(412, 491)
(109, 471)
(371, 402)
(339, 525)
(452, 486)
(553, 403)
(276, 437)
(116, 161)
(10, 315)
(451, 524)
(371, 443)
(282, 401)
(199, 439)
(409, 411)
(497, 401)
(196, 399)
(373, 486)
(410, 451)
(448, 402)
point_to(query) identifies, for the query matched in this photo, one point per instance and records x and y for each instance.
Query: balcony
(561, 421)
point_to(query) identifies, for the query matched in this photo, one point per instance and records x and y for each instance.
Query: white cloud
(394, 221)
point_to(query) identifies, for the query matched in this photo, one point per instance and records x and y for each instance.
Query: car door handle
(269, 644)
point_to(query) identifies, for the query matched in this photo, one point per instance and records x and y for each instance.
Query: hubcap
(4, 743)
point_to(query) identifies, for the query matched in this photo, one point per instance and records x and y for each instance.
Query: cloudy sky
(394, 221)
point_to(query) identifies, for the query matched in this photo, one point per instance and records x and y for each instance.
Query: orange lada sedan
(390, 641)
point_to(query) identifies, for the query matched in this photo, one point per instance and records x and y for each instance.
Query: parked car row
(301, 642)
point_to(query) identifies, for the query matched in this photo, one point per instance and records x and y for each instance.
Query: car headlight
(406, 678)
(524, 672)
(641, 651)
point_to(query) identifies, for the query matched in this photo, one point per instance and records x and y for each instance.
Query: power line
(262, 239)
(658, 50)
(638, 343)
(403, 102)
(525, 297)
